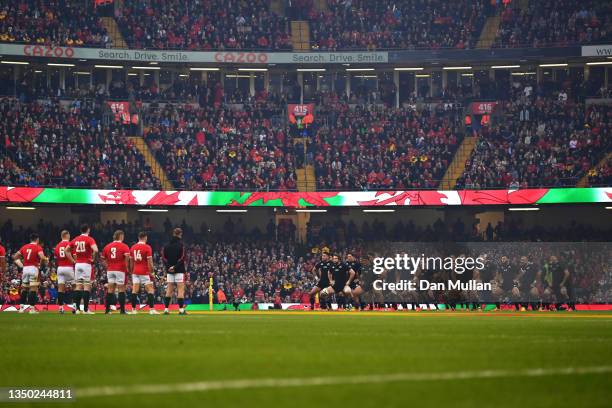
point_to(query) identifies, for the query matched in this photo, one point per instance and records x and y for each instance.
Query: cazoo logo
(251, 57)
(48, 51)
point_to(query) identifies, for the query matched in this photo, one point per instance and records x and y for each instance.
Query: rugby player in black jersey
(561, 283)
(356, 288)
(340, 279)
(321, 269)
(528, 284)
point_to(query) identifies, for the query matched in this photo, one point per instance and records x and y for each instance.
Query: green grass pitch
(302, 359)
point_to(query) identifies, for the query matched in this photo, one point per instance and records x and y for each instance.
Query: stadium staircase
(305, 176)
(457, 166)
(489, 32)
(300, 36)
(113, 31)
(584, 181)
(151, 161)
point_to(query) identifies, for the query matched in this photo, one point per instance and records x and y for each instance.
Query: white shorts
(116, 277)
(83, 272)
(29, 275)
(175, 277)
(65, 274)
(141, 280)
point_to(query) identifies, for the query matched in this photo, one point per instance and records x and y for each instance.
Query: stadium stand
(547, 23)
(67, 144)
(216, 24)
(52, 22)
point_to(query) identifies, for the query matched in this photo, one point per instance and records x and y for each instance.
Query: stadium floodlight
(456, 68)
(183, 75)
(552, 65)
(359, 69)
(379, 210)
(422, 75)
(253, 69)
(149, 67)
(311, 70)
(523, 209)
(15, 62)
(20, 208)
(608, 208)
(367, 76)
(203, 69)
(241, 210)
(469, 74)
(82, 73)
(408, 69)
(153, 210)
(505, 66)
(600, 63)
(109, 66)
(57, 64)
(311, 210)
(37, 71)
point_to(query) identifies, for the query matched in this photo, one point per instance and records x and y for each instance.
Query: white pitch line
(316, 381)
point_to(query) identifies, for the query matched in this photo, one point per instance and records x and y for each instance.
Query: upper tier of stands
(341, 25)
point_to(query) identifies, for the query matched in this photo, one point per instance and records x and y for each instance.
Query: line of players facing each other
(340, 280)
(75, 259)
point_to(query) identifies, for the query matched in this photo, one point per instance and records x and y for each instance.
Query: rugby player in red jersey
(116, 256)
(84, 250)
(65, 267)
(30, 257)
(141, 262)
(2, 262)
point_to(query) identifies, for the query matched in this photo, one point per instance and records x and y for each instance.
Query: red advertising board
(481, 108)
(121, 111)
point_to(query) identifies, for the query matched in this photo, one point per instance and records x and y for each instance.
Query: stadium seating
(222, 148)
(370, 148)
(46, 23)
(559, 23)
(215, 24)
(56, 144)
(545, 142)
(368, 24)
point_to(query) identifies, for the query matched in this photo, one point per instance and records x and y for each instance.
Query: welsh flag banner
(305, 199)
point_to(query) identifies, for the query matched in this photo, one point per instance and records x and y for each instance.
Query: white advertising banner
(213, 57)
(597, 50)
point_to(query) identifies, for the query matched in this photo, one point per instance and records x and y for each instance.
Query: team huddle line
(75, 259)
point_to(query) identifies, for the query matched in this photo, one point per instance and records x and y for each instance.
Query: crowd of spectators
(412, 24)
(340, 25)
(222, 147)
(67, 145)
(51, 22)
(203, 25)
(541, 141)
(560, 23)
(379, 148)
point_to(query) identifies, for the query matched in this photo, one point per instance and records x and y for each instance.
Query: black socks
(122, 301)
(150, 300)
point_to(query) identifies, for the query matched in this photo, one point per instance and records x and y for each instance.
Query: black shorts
(338, 288)
(322, 284)
(354, 285)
